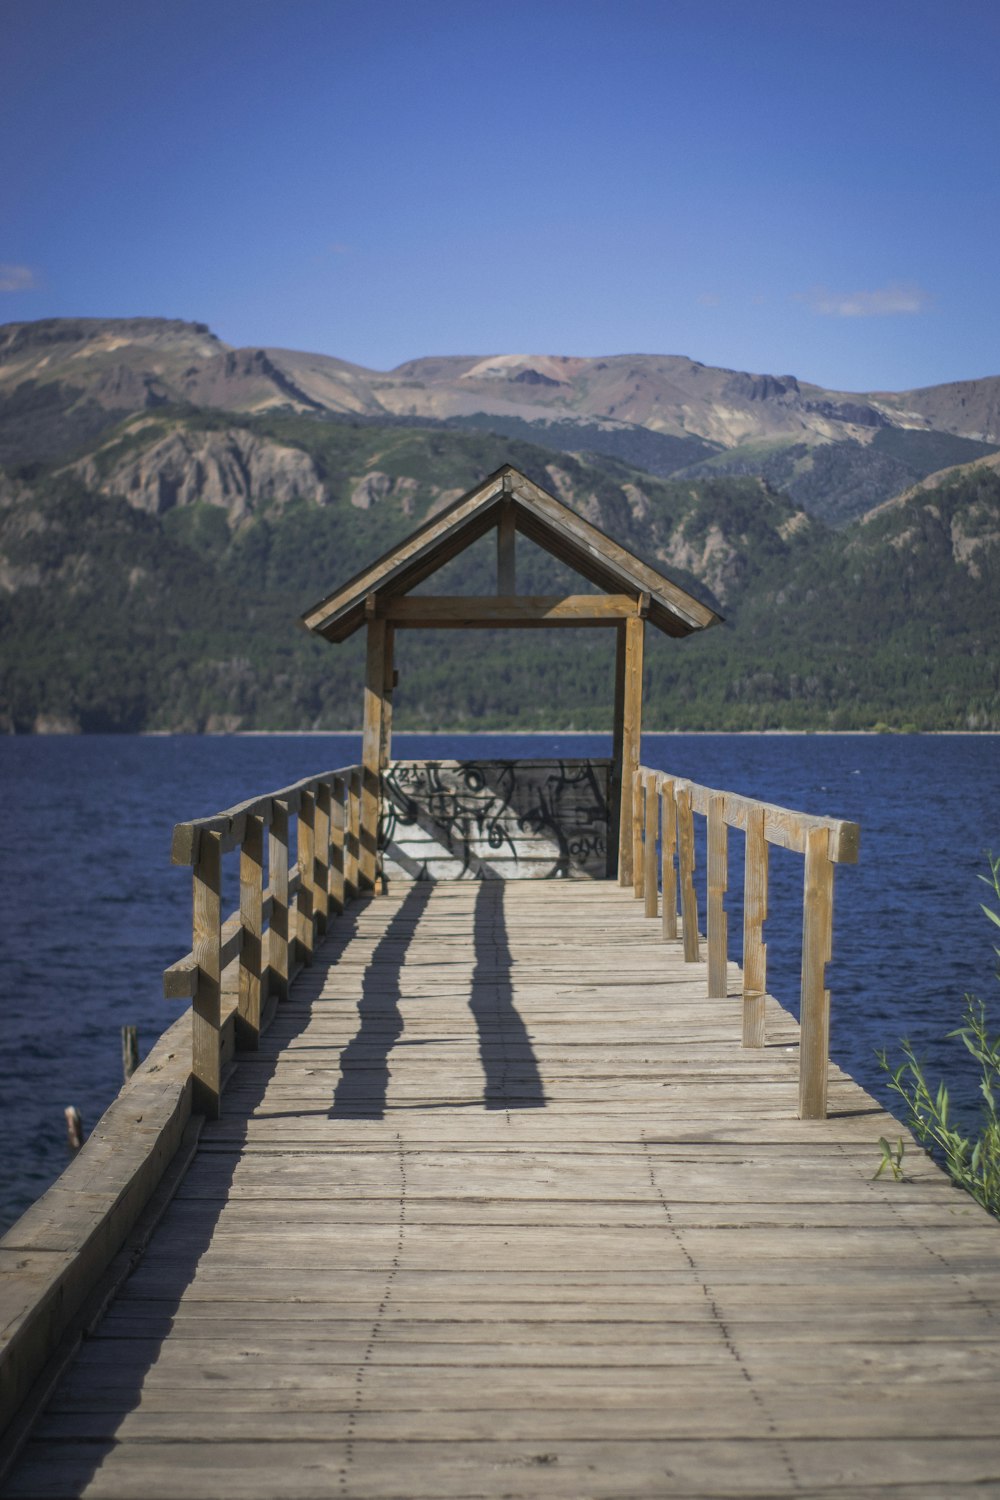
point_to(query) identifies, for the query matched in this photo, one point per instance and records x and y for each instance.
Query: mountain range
(169, 504)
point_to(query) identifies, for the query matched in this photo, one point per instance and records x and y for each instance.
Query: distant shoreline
(567, 733)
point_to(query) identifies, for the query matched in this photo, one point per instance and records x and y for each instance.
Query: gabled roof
(537, 515)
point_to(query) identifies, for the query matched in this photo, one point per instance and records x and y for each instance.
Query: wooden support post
(685, 850)
(668, 846)
(754, 917)
(718, 882)
(252, 924)
(277, 864)
(388, 684)
(130, 1051)
(506, 550)
(74, 1127)
(321, 857)
(631, 740)
(338, 823)
(638, 860)
(371, 751)
(616, 774)
(305, 908)
(351, 883)
(817, 950)
(649, 875)
(206, 1017)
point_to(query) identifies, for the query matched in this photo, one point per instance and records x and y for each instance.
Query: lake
(93, 911)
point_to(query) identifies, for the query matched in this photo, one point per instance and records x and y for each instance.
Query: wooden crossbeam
(533, 611)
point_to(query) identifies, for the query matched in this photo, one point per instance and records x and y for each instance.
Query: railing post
(668, 845)
(817, 950)
(638, 863)
(649, 872)
(353, 835)
(754, 917)
(718, 882)
(321, 857)
(277, 861)
(252, 924)
(337, 825)
(206, 1018)
(689, 901)
(307, 857)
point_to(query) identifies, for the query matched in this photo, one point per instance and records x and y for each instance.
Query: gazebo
(507, 501)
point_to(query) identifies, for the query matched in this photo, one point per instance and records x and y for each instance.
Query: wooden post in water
(631, 739)
(817, 950)
(718, 882)
(668, 845)
(337, 830)
(277, 863)
(754, 917)
(685, 849)
(649, 877)
(130, 1051)
(206, 1018)
(74, 1127)
(252, 925)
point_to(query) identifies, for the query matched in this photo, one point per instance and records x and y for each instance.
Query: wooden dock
(501, 1207)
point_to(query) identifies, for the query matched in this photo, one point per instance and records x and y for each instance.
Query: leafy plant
(892, 1159)
(973, 1163)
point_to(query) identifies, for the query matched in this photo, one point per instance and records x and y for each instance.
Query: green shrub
(972, 1162)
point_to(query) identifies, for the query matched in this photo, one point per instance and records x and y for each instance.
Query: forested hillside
(151, 579)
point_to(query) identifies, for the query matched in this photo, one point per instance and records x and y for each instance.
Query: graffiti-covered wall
(495, 820)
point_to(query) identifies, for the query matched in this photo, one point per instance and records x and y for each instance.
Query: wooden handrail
(664, 806)
(274, 931)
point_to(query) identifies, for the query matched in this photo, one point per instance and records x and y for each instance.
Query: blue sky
(801, 187)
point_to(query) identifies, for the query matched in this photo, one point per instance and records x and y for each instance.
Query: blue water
(93, 911)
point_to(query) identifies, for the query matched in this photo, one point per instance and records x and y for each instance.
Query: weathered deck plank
(502, 1208)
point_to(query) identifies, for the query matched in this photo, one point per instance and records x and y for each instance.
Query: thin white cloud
(709, 299)
(897, 298)
(17, 278)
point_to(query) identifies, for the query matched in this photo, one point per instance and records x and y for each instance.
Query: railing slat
(321, 857)
(718, 882)
(638, 865)
(352, 847)
(277, 864)
(817, 949)
(252, 929)
(652, 814)
(337, 830)
(754, 917)
(305, 925)
(689, 901)
(206, 1020)
(668, 847)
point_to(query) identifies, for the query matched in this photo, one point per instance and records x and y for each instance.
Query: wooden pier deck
(501, 1208)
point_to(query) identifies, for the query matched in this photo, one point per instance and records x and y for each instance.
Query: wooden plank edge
(84, 1323)
(133, 1144)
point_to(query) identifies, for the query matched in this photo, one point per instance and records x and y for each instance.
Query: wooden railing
(663, 812)
(255, 953)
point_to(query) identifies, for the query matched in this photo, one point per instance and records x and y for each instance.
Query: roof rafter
(539, 516)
